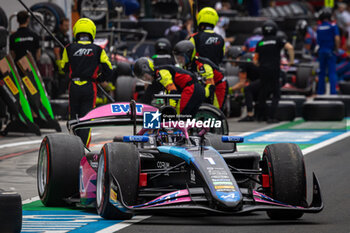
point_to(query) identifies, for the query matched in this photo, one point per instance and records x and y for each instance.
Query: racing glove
(59, 66)
(173, 102)
(230, 91)
(209, 90)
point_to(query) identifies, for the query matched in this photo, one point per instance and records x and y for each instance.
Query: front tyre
(284, 164)
(58, 168)
(121, 161)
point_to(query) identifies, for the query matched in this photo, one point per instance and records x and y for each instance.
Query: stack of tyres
(322, 110)
(36, 93)
(299, 100)
(344, 87)
(3, 18)
(343, 98)
(286, 110)
(10, 212)
(60, 108)
(12, 93)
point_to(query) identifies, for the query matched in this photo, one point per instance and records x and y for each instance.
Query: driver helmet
(269, 28)
(162, 46)
(184, 52)
(143, 68)
(207, 15)
(234, 52)
(301, 27)
(84, 25)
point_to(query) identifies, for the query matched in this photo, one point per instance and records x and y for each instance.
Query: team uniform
(343, 65)
(251, 42)
(268, 50)
(209, 44)
(62, 81)
(326, 33)
(84, 61)
(63, 38)
(162, 57)
(216, 85)
(206, 42)
(163, 54)
(252, 85)
(24, 40)
(310, 40)
(176, 80)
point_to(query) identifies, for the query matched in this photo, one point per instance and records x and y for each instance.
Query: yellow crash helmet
(84, 25)
(207, 15)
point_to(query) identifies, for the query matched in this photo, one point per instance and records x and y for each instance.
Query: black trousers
(59, 85)
(191, 99)
(270, 84)
(251, 94)
(82, 99)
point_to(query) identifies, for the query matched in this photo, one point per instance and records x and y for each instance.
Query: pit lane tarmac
(325, 144)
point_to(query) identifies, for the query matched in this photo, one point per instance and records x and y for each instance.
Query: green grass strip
(38, 205)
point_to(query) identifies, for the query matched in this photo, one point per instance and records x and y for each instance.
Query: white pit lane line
(29, 142)
(20, 143)
(119, 226)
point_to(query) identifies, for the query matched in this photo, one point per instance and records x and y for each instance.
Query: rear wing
(114, 114)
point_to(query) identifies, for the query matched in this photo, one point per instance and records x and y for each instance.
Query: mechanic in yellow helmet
(207, 43)
(84, 62)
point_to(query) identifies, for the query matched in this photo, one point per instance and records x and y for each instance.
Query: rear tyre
(60, 108)
(284, 163)
(10, 212)
(125, 88)
(52, 14)
(3, 18)
(58, 168)
(208, 111)
(121, 161)
(344, 87)
(322, 110)
(303, 75)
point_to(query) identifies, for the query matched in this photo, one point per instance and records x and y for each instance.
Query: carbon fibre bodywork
(187, 175)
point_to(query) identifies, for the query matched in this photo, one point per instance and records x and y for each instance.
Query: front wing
(193, 201)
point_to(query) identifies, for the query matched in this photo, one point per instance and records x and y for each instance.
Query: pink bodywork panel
(116, 109)
(87, 180)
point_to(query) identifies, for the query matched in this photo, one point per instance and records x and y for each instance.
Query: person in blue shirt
(328, 40)
(251, 42)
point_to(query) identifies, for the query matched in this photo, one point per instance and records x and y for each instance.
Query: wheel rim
(100, 180)
(49, 20)
(42, 170)
(93, 4)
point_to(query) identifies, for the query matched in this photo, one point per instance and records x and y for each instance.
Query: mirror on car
(232, 139)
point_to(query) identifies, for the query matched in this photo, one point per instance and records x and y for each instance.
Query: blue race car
(170, 169)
